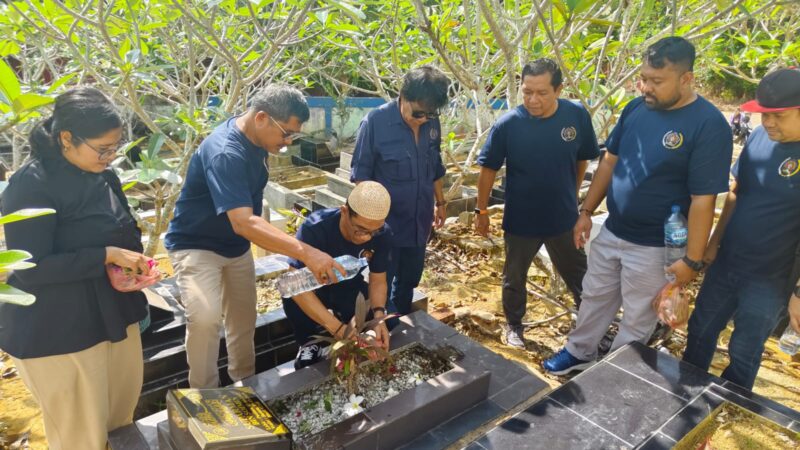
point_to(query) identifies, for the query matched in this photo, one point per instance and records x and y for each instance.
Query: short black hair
(427, 86)
(675, 50)
(281, 102)
(541, 66)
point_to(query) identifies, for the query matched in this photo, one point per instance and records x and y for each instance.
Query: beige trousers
(215, 289)
(86, 394)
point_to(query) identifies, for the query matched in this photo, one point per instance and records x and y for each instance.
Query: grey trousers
(621, 274)
(520, 251)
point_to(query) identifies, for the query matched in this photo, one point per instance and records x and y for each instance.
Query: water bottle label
(678, 236)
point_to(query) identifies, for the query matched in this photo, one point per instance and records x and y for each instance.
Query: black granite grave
(636, 397)
(418, 420)
(165, 365)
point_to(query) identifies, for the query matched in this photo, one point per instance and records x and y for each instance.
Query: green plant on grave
(294, 219)
(18, 259)
(356, 347)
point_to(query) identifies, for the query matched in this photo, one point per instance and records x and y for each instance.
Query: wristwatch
(379, 308)
(697, 266)
(481, 212)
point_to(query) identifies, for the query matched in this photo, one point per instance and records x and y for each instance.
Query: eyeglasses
(107, 153)
(359, 231)
(430, 115)
(286, 134)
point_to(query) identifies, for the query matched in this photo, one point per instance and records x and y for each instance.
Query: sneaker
(307, 355)
(563, 363)
(513, 336)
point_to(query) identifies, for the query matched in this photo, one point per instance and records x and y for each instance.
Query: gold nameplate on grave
(225, 418)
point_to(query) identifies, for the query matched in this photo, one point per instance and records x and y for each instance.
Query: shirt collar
(395, 118)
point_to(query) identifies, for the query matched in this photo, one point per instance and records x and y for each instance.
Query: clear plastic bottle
(298, 281)
(790, 341)
(676, 233)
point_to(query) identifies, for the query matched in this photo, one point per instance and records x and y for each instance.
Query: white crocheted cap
(370, 200)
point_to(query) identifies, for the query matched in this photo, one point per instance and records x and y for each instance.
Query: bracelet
(441, 203)
(341, 324)
(587, 210)
(379, 308)
(481, 212)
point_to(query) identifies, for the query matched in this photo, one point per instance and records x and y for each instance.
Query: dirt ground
(462, 277)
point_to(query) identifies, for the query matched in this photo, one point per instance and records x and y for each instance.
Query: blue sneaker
(563, 363)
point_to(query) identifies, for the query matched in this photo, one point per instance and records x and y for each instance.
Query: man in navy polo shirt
(399, 145)
(217, 216)
(669, 147)
(753, 245)
(356, 229)
(546, 143)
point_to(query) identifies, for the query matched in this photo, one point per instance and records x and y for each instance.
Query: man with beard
(669, 147)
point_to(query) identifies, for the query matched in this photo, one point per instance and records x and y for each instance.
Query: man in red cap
(753, 245)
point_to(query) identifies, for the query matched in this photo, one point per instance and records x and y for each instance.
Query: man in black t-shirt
(357, 229)
(753, 246)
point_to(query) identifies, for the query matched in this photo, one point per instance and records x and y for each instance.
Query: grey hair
(281, 101)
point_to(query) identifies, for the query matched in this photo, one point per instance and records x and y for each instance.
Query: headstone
(226, 418)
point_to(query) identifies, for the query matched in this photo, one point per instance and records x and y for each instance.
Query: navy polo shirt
(226, 172)
(665, 157)
(386, 152)
(321, 230)
(540, 157)
(764, 230)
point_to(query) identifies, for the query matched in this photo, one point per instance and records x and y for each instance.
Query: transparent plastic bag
(672, 306)
(124, 280)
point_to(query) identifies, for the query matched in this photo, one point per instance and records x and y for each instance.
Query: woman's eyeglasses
(106, 152)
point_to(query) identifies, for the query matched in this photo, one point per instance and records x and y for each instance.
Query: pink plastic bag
(124, 280)
(672, 306)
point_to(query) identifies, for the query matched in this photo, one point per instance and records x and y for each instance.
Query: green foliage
(18, 259)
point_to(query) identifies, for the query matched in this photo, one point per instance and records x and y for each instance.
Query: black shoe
(307, 355)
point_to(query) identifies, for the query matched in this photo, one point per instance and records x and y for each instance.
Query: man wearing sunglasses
(358, 229)
(399, 145)
(217, 217)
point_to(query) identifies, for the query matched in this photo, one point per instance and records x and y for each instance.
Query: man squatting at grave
(357, 228)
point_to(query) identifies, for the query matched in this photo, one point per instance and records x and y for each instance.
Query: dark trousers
(405, 271)
(520, 251)
(755, 305)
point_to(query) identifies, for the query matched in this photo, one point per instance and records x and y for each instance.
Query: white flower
(391, 392)
(353, 405)
(415, 379)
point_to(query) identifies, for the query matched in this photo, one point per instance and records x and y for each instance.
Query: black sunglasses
(426, 114)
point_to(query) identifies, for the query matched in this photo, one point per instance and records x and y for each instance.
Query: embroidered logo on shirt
(672, 140)
(366, 253)
(789, 167)
(568, 134)
(434, 133)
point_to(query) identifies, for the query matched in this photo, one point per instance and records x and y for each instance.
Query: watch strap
(694, 265)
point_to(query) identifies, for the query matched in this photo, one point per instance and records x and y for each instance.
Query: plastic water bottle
(676, 234)
(790, 341)
(299, 281)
